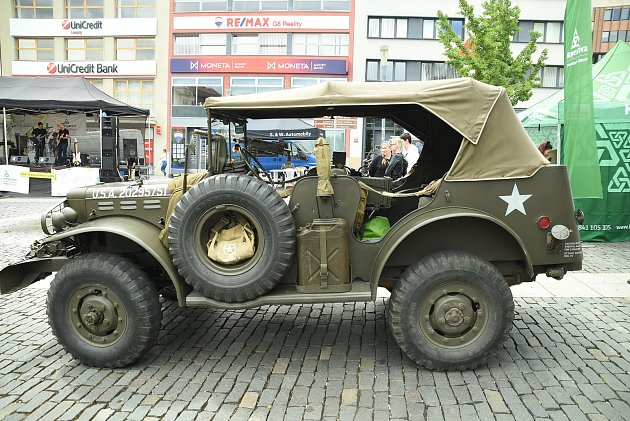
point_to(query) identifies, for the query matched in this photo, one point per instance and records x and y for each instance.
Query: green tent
(607, 219)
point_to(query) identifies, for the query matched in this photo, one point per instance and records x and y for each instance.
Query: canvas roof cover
(610, 91)
(74, 94)
(496, 144)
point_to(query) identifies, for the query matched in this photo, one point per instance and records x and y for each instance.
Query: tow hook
(556, 272)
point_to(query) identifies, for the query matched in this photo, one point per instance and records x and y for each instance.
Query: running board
(286, 294)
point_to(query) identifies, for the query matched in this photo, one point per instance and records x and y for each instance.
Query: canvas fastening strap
(323, 262)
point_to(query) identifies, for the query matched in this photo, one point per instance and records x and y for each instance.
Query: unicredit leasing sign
(82, 27)
(84, 68)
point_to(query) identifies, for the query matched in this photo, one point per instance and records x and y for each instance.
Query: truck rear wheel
(231, 196)
(450, 311)
(104, 310)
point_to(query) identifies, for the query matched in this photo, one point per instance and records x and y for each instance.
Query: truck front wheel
(450, 311)
(104, 310)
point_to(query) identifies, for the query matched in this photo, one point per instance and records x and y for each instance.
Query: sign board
(247, 64)
(12, 180)
(67, 179)
(84, 68)
(82, 27)
(336, 123)
(236, 23)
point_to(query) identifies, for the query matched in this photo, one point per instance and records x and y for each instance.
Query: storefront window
(251, 85)
(189, 94)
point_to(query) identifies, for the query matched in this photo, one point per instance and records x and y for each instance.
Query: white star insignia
(515, 201)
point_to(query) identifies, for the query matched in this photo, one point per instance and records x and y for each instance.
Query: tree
(486, 55)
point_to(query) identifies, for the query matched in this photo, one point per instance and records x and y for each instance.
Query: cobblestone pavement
(566, 358)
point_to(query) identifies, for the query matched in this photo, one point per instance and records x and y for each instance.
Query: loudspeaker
(108, 163)
(110, 126)
(109, 143)
(46, 160)
(20, 160)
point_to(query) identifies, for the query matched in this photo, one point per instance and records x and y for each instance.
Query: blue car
(275, 155)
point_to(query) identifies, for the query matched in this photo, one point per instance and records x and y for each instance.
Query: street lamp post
(384, 54)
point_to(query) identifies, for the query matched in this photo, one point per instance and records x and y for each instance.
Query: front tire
(450, 311)
(104, 310)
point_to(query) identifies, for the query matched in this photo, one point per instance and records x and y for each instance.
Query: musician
(63, 138)
(40, 140)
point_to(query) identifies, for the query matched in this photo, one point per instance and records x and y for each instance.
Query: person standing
(164, 162)
(410, 151)
(395, 169)
(40, 140)
(63, 138)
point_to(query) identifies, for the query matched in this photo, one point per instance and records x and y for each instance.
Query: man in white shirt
(410, 151)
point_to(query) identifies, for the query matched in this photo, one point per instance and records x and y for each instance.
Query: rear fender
(416, 222)
(142, 233)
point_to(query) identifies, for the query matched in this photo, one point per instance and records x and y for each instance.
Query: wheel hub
(97, 315)
(453, 315)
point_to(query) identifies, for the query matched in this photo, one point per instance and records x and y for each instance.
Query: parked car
(481, 211)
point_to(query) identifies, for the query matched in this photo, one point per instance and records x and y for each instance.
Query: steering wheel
(255, 167)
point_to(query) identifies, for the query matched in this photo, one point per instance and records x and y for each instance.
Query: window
(199, 44)
(33, 9)
(613, 36)
(189, 94)
(201, 5)
(398, 70)
(552, 77)
(35, 49)
(260, 5)
(264, 43)
(550, 32)
(320, 44)
(84, 9)
(623, 35)
(251, 84)
(136, 92)
(607, 14)
(135, 49)
(135, 8)
(298, 82)
(412, 28)
(323, 5)
(78, 49)
(616, 14)
(98, 83)
(625, 13)
(605, 36)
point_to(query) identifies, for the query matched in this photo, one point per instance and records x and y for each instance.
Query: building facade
(169, 56)
(611, 24)
(113, 43)
(235, 47)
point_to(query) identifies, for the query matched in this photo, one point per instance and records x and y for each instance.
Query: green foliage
(486, 55)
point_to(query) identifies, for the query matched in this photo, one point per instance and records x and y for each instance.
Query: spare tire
(228, 196)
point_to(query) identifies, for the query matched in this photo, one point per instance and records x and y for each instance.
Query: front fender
(22, 274)
(417, 221)
(142, 233)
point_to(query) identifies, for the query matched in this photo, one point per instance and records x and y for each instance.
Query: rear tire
(104, 310)
(450, 311)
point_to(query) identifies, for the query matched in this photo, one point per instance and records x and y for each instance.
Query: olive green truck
(481, 210)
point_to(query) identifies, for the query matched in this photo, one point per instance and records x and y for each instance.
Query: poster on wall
(12, 180)
(67, 179)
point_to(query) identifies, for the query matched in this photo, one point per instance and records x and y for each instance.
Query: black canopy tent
(36, 95)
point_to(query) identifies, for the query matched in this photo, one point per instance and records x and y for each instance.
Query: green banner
(578, 148)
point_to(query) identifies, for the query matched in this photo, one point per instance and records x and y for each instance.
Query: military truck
(481, 211)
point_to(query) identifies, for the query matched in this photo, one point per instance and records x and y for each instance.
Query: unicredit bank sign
(82, 27)
(84, 68)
